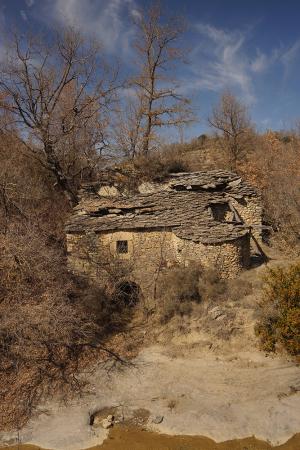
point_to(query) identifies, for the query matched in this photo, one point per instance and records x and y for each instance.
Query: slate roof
(181, 204)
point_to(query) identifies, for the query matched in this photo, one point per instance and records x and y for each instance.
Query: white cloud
(29, 3)
(135, 13)
(128, 92)
(222, 63)
(260, 63)
(263, 62)
(109, 20)
(23, 15)
(291, 54)
(223, 60)
(289, 57)
(266, 121)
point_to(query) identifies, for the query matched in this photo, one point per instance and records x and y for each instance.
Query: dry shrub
(180, 288)
(157, 166)
(113, 289)
(43, 330)
(273, 167)
(238, 288)
(211, 286)
(28, 192)
(47, 333)
(177, 289)
(279, 322)
(110, 306)
(51, 325)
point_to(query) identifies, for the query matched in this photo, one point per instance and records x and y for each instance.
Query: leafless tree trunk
(36, 78)
(230, 118)
(160, 102)
(128, 128)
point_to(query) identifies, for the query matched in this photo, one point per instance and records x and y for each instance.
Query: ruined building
(204, 217)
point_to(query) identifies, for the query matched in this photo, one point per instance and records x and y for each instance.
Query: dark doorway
(127, 293)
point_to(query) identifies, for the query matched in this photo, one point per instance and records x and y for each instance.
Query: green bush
(279, 322)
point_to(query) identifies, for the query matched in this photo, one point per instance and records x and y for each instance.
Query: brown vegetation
(274, 168)
(181, 288)
(157, 165)
(279, 323)
(46, 323)
(234, 130)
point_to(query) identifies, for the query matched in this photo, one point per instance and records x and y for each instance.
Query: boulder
(216, 312)
(157, 419)
(106, 423)
(100, 420)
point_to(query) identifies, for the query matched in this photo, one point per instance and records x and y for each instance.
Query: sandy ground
(198, 393)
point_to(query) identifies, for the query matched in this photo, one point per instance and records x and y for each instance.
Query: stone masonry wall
(229, 258)
(150, 252)
(250, 210)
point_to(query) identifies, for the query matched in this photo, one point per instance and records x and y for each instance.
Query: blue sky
(251, 47)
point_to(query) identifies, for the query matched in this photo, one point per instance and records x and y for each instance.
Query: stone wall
(229, 258)
(150, 252)
(251, 212)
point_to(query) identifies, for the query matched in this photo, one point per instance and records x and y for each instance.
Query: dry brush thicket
(278, 326)
(39, 325)
(48, 324)
(181, 289)
(273, 166)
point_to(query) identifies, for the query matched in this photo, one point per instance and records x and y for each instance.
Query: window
(122, 246)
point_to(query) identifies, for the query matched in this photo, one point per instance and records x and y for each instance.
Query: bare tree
(54, 91)
(160, 103)
(128, 127)
(230, 118)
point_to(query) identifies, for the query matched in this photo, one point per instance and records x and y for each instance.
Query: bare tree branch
(61, 93)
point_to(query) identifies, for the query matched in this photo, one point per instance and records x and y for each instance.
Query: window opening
(122, 246)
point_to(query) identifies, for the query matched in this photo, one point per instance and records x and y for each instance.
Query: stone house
(204, 217)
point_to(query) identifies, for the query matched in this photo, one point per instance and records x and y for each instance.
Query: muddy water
(121, 438)
(136, 439)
